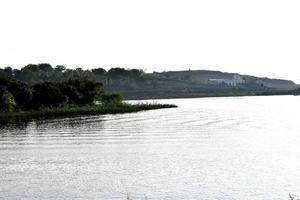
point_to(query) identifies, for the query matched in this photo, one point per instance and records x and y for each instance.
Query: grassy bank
(79, 110)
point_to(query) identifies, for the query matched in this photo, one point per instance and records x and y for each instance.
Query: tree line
(44, 72)
(17, 96)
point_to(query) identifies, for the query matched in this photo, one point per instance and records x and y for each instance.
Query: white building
(234, 81)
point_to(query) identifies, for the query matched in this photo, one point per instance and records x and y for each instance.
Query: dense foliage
(15, 95)
(40, 73)
(113, 98)
(7, 102)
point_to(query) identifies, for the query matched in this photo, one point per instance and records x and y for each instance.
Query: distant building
(234, 81)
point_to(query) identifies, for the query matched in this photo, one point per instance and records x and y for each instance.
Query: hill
(200, 83)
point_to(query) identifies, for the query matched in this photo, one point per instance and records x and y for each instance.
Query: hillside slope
(198, 83)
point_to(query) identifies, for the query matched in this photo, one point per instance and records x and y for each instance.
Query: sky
(256, 37)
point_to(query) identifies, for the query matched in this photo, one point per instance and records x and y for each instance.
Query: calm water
(210, 148)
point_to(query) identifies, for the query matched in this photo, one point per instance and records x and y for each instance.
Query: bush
(15, 94)
(82, 91)
(72, 94)
(113, 98)
(47, 95)
(22, 94)
(90, 91)
(7, 101)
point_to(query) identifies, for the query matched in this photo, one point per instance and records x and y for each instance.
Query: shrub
(15, 94)
(112, 98)
(7, 101)
(82, 91)
(22, 94)
(90, 91)
(47, 95)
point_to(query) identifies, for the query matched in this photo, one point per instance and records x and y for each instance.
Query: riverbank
(80, 110)
(174, 95)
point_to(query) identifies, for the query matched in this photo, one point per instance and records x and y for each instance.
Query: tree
(8, 71)
(47, 95)
(45, 67)
(71, 92)
(89, 91)
(99, 71)
(135, 73)
(7, 102)
(116, 72)
(44, 73)
(60, 68)
(81, 91)
(22, 94)
(112, 98)
(17, 95)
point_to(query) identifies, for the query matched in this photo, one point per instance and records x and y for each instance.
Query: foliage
(6, 72)
(99, 71)
(48, 94)
(111, 98)
(7, 102)
(75, 110)
(121, 72)
(39, 73)
(82, 91)
(21, 92)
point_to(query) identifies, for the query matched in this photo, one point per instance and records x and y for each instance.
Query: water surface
(208, 149)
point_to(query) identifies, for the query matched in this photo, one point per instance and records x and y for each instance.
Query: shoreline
(203, 96)
(70, 111)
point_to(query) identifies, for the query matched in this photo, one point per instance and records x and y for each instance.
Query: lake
(245, 148)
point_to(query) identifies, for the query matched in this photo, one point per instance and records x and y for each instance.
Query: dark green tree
(88, 91)
(112, 98)
(99, 71)
(7, 102)
(47, 95)
(8, 71)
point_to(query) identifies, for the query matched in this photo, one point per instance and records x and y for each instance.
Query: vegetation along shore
(39, 90)
(68, 111)
(138, 84)
(21, 101)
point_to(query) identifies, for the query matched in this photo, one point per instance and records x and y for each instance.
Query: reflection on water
(210, 148)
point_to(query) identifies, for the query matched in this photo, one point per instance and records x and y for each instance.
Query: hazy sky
(258, 37)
